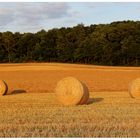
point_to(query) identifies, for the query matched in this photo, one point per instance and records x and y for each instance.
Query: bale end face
(3, 87)
(134, 88)
(71, 91)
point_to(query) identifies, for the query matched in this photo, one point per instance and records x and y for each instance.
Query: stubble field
(31, 110)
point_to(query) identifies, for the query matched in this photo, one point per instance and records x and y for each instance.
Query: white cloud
(31, 14)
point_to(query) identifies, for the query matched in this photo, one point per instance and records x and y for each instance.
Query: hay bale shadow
(18, 91)
(94, 100)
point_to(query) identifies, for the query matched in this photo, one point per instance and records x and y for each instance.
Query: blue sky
(32, 17)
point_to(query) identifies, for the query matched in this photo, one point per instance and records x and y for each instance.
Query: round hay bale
(85, 98)
(134, 88)
(3, 87)
(71, 91)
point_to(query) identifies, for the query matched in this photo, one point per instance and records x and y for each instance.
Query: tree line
(117, 43)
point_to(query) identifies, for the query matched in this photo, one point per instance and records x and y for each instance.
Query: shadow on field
(94, 100)
(18, 91)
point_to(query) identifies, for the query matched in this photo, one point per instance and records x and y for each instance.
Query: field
(31, 110)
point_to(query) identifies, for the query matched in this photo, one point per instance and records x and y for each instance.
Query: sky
(34, 16)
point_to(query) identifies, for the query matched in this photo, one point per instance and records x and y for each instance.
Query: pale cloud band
(30, 14)
(33, 17)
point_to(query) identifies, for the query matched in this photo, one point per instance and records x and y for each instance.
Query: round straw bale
(3, 87)
(85, 98)
(134, 88)
(70, 91)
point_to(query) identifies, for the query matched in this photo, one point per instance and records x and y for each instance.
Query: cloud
(6, 16)
(31, 14)
(42, 10)
(97, 4)
(34, 16)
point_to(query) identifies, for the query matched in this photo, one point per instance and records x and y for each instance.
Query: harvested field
(33, 111)
(43, 77)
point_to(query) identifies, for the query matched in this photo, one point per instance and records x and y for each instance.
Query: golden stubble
(110, 111)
